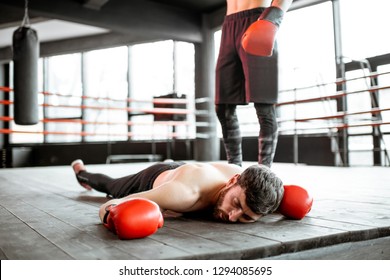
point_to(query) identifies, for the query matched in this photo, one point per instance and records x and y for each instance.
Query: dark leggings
(268, 134)
(117, 188)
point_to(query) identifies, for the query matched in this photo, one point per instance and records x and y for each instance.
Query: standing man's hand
(259, 38)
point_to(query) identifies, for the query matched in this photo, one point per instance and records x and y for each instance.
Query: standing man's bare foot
(78, 166)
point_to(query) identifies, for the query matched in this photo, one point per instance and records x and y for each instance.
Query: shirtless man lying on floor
(228, 192)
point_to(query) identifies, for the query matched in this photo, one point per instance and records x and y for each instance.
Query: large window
(107, 95)
(360, 141)
(384, 95)
(384, 99)
(106, 91)
(306, 66)
(152, 75)
(63, 87)
(363, 36)
(364, 25)
(159, 69)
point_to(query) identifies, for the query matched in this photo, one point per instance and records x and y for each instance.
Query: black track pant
(268, 133)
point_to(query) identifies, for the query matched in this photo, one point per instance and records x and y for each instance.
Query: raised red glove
(259, 38)
(135, 218)
(296, 202)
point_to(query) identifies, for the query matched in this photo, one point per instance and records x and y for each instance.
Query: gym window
(89, 97)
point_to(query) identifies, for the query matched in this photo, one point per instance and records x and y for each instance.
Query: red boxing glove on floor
(296, 202)
(259, 38)
(135, 218)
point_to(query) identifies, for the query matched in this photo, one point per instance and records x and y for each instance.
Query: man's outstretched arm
(173, 195)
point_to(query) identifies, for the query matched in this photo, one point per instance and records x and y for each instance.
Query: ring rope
(85, 133)
(338, 94)
(155, 100)
(338, 81)
(340, 126)
(169, 111)
(336, 115)
(129, 123)
(180, 135)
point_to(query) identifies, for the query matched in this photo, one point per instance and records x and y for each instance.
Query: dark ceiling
(116, 15)
(125, 21)
(174, 19)
(12, 10)
(203, 6)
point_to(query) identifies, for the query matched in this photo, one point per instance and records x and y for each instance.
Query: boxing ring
(46, 215)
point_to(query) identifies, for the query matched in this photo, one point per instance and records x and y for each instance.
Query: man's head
(250, 195)
(263, 189)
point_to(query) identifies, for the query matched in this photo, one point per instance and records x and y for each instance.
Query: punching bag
(25, 58)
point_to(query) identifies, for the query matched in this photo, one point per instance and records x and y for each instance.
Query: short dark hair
(263, 189)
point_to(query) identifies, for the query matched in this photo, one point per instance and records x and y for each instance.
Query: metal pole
(340, 72)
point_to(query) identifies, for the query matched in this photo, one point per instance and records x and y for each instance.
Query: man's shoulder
(226, 166)
(217, 166)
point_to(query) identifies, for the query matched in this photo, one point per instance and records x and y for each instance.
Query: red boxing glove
(259, 38)
(135, 218)
(296, 202)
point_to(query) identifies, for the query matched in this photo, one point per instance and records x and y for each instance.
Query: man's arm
(173, 195)
(259, 38)
(282, 4)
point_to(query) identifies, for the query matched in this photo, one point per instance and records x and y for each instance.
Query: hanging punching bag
(25, 57)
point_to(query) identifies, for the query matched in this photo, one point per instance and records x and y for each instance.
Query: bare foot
(78, 166)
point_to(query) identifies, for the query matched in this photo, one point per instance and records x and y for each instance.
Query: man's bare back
(209, 171)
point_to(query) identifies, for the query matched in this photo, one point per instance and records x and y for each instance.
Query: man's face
(231, 206)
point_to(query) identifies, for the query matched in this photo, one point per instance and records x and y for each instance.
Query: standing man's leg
(230, 82)
(261, 78)
(227, 116)
(268, 135)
